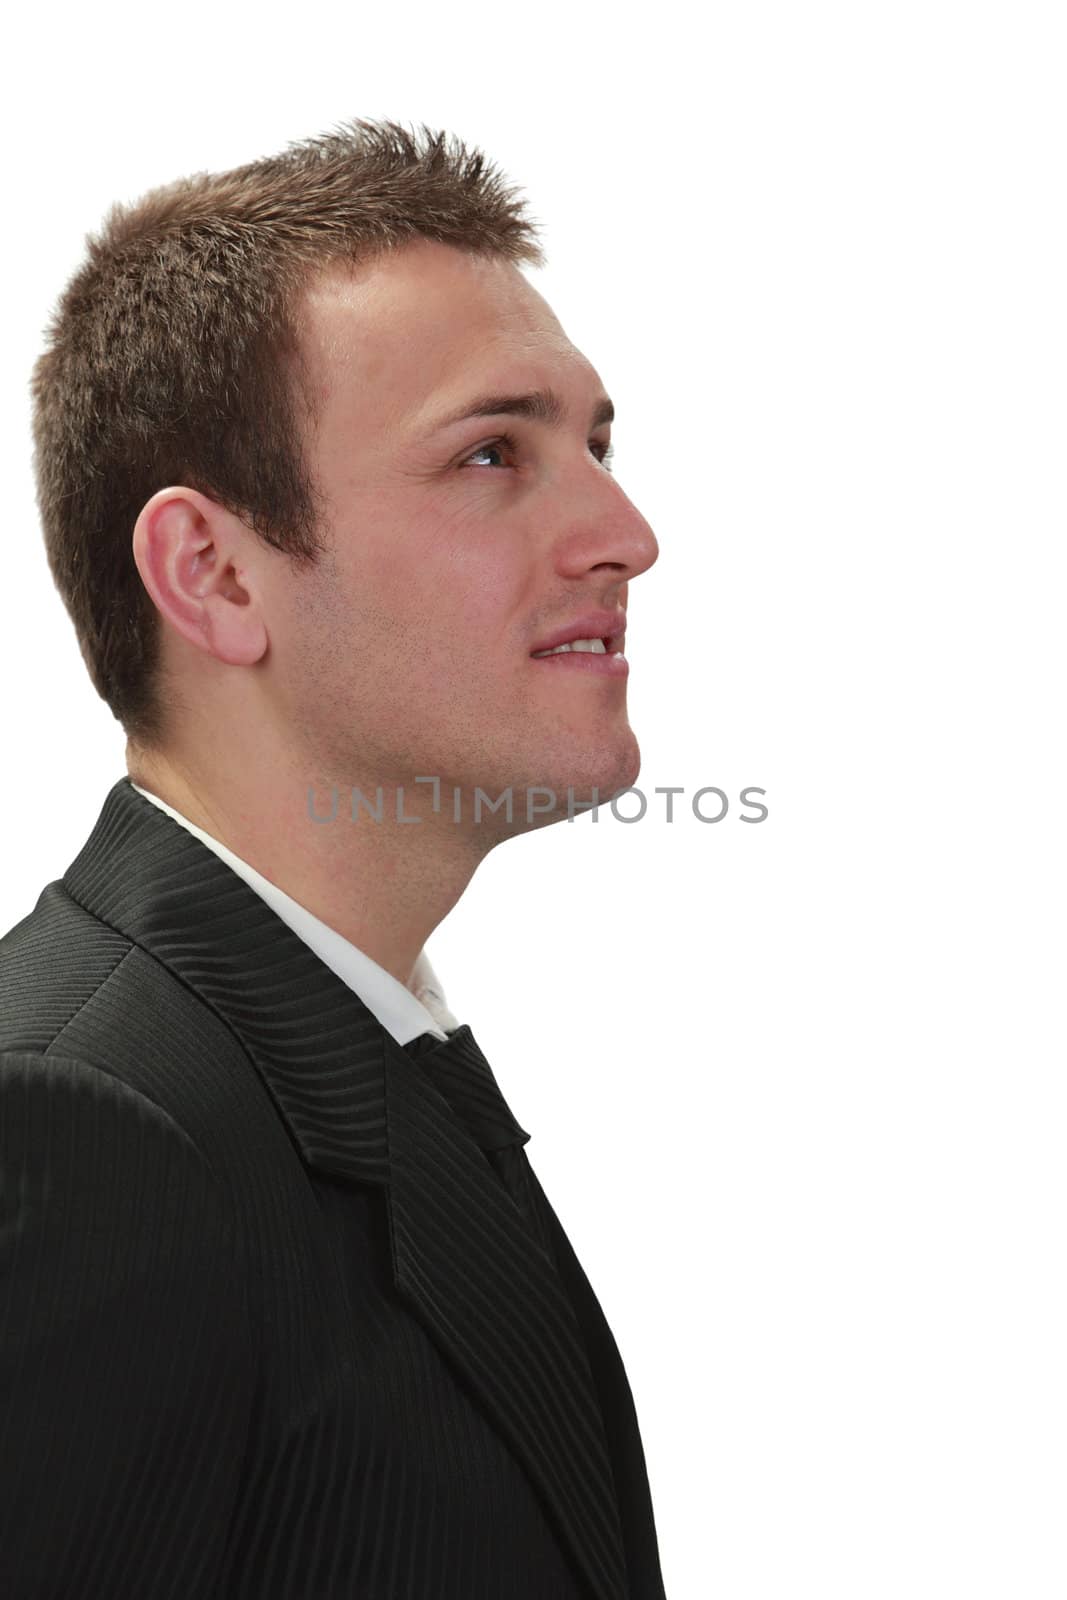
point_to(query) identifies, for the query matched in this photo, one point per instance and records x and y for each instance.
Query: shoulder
(80, 999)
(125, 1368)
(81, 1133)
(105, 1196)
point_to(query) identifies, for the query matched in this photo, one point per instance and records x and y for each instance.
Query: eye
(504, 442)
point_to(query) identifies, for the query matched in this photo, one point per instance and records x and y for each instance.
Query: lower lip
(607, 666)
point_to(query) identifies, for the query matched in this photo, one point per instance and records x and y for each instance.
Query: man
(324, 486)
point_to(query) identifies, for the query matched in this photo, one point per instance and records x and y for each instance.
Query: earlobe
(184, 546)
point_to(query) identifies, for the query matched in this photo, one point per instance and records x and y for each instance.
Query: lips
(607, 626)
(593, 647)
(603, 633)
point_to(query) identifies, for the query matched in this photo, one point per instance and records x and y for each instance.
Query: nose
(612, 540)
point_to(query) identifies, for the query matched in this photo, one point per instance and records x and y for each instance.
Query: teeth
(593, 647)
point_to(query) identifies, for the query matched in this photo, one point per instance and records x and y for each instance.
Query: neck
(384, 886)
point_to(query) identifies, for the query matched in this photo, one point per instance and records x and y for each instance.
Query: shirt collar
(405, 1012)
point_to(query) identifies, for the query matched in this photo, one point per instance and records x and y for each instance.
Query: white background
(795, 1089)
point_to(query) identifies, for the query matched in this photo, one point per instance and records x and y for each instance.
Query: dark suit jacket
(271, 1326)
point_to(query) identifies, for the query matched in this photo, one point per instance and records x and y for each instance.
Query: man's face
(408, 651)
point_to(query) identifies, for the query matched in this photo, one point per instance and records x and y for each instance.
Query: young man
(288, 1313)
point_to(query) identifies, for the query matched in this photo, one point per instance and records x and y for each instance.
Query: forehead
(402, 338)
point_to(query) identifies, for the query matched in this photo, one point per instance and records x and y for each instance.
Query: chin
(608, 771)
(608, 768)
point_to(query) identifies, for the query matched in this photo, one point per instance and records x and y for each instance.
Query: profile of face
(457, 548)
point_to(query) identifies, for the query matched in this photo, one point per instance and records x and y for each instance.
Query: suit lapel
(468, 1263)
(359, 1109)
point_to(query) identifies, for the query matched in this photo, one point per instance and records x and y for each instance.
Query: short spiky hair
(172, 358)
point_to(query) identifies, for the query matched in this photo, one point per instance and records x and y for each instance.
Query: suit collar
(406, 1012)
(360, 1109)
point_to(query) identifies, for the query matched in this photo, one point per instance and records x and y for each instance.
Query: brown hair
(172, 353)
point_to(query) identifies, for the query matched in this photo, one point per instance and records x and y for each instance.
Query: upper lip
(610, 626)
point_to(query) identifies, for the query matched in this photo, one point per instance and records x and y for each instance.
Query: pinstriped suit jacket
(270, 1326)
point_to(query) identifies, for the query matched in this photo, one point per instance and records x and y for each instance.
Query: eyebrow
(539, 405)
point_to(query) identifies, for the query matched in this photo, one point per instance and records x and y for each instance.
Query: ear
(193, 559)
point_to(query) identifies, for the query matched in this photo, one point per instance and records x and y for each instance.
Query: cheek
(467, 580)
(445, 586)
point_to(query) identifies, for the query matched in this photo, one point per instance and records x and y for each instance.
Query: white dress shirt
(405, 1012)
